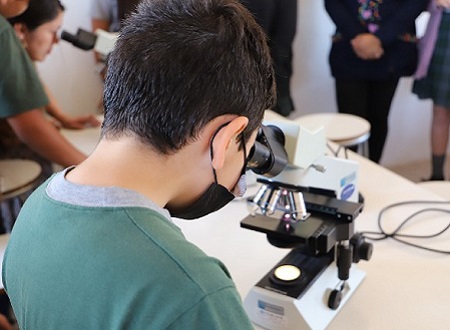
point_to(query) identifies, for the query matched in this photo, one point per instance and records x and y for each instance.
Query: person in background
(108, 15)
(104, 15)
(432, 81)
(22, 99)
(374, 45)
(9, 8)
(37, 30)
(26, 133)
(98, 237)
(278, 18)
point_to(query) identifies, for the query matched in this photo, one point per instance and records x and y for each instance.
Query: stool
(343, 129)
(440, 188)
(17, 177)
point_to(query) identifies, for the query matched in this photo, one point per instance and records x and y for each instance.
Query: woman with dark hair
(33, 138)
(37, 29)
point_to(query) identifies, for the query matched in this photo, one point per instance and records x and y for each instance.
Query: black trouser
(370, 100)
(278, 18)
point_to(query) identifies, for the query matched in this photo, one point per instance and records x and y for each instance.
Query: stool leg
(365, 149)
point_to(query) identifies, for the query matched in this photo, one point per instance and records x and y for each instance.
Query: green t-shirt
(20, 87)
(82, 257)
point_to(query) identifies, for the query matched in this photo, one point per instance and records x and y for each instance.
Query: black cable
(397, 236)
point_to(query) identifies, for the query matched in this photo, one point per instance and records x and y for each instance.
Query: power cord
(397, 236)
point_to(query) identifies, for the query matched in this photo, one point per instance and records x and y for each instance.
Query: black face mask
(216, 196)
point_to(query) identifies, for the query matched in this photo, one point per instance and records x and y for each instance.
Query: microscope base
(277, 311)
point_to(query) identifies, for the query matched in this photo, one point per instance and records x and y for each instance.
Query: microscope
(307, 202)
(101, 41)
(310, 218)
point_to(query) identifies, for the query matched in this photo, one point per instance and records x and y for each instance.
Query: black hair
(178, 64)
(38, 12)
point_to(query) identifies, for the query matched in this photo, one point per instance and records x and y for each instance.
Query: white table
(85, 139)
(441, 188)
(404, 288)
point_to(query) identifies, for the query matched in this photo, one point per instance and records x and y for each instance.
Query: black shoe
(433, 178)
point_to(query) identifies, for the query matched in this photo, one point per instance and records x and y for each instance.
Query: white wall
(70, 74)
(313, 88)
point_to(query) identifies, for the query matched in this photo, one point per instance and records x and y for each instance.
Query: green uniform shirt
(20, 87)
(83, 257)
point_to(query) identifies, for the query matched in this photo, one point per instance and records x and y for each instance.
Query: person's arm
(77, 122)
(402, 21)
(98, 23)
(101, 12)
(346, 22)
(33, 129)
(365, 45)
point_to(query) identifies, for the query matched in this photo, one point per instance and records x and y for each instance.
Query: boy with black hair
(94, 247)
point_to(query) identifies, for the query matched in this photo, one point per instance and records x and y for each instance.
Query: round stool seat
(441, 188)
(343, 129)
(17, 176)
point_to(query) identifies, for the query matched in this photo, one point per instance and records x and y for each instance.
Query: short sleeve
(20, 87)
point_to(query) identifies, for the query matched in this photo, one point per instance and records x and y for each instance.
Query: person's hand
(367, 46)
(443, 3)
(79, 122)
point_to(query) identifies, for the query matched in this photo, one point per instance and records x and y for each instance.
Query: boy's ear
(224, 137)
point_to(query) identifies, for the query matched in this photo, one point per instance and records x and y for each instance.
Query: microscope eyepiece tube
(84, 40)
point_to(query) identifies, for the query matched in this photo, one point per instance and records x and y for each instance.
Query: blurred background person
(107, 15)
(104, 15)
(25, 131)
(432, 81)
(37, 29)
(278, 18)
(8, 57)
(374, 45)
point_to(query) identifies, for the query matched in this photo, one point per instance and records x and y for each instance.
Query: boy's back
(112, 254)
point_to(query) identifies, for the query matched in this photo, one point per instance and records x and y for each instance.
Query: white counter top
(404, 288)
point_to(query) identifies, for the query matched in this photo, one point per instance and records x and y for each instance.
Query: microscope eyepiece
(268, 156)
(84, 40)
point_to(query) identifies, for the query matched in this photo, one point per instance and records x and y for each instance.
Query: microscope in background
(101, 41)
(301, 207)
